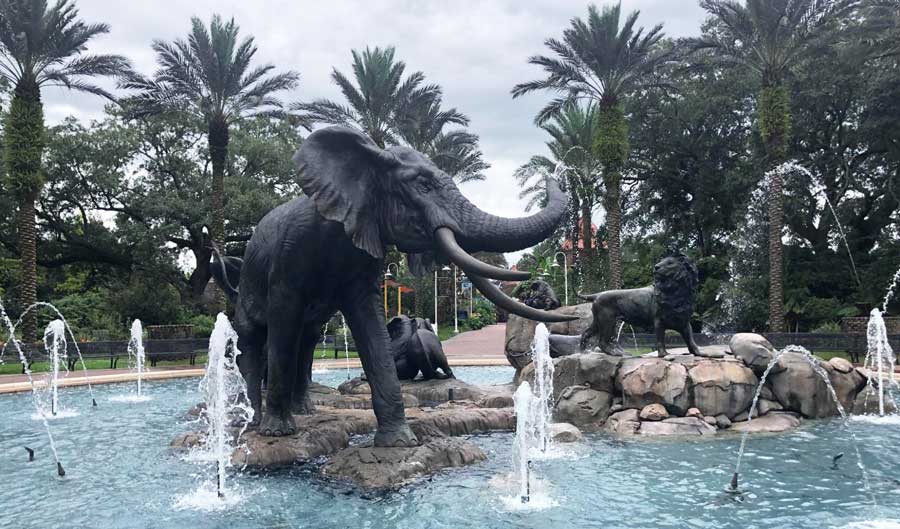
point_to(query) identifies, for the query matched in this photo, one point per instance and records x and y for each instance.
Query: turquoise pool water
(121, 474)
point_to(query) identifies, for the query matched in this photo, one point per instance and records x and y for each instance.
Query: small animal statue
(540, 295)
(667, 304)
(416, 348)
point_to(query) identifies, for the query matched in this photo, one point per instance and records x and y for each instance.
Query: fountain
(74, 341)
(55, 345)
(346, 345)
(533, 417)
(522, 463)
(820, 371)
(35, 398)
(879, 359)
(226, 399)
(543, 387)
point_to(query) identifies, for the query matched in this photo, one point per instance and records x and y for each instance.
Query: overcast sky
(476, 50)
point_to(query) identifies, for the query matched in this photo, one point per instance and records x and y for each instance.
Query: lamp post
(455, 308)
(444, 269)
(565, 272)
(388, 275)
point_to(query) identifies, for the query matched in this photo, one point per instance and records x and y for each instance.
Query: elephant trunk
(481, 231)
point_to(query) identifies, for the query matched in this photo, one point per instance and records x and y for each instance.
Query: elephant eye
(423, 185)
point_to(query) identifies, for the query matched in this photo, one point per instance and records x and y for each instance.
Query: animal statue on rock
(324, 251)
(540, 295)
(417, 349)
(667, 304)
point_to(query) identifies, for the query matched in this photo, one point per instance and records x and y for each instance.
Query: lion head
(675, 280)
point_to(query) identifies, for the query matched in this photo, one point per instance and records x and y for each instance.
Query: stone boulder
(382, 468)
(519, 335)
(644, 381)
(463, 418)
(754, 350)
(598, 370)
(866, 403)
(776, 421)
(722, 388)
(520, 332)
(800, 389)
(563, 432)
(574, 327)
(625, 422)
(654, 412)
(764, 406)
(680, 426)
(583, 406)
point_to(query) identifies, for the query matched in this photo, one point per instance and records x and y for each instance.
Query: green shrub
(203, 325)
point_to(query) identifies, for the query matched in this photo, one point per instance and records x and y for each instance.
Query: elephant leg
(252, 343)
(285, 330)
(301, 403)
(365, 315)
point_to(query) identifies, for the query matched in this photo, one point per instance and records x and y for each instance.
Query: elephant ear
(340, 170)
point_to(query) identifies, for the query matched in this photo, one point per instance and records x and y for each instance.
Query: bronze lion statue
(667, 304)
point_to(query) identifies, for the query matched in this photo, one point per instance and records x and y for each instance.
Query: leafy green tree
(573, 161)
(421, 126)
(770, 37)
(380, 99)
(41, 45)
(599, 60)
(209, 77)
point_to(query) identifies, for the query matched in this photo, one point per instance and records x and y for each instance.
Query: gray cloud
(476, 50)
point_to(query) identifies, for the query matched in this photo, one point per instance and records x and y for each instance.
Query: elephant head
(398, 196)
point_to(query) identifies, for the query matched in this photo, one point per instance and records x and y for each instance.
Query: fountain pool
(122, 474)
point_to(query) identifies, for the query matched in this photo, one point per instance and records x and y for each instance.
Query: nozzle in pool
(734, 481)
(95, 402)
(30, 454)
(60, 470)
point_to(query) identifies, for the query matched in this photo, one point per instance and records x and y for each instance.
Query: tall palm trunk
(218, 153)
(24, 146)
(774, 126)
(611, 146)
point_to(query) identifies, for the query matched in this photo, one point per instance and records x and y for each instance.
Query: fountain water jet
(543, 390)
(136, 350)
(346, 345)
(880, 358)
(44, 304)
(55, 345)
(4, 318)
(226, 399)
(820, 371)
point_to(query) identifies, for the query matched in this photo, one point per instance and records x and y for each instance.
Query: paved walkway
(486, 343)
(474, 348)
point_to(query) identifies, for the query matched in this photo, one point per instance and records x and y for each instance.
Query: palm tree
(379, 99)
(209, 77)
(41, 46)
(420, 125)
(597, 60)
(574, 162)
(770, 37)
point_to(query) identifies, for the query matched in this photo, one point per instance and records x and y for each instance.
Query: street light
(444, 269)
(565, 272)
(388, 275)
(455, 308)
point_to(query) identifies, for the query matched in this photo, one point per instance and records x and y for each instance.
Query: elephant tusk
(505, 302)
(446, 240)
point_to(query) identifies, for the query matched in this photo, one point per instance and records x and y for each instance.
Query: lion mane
(675, 280)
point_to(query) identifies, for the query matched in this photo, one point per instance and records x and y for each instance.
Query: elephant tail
(587, 297)
(226, 272)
